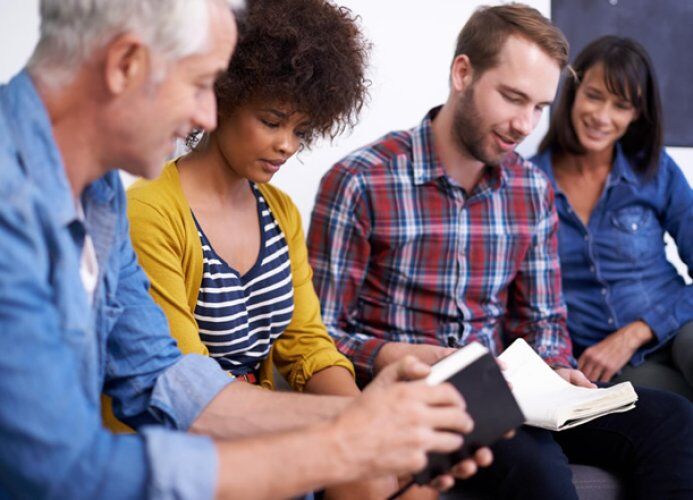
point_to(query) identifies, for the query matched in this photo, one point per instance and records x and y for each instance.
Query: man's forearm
(242, 410)
(388, 430)
(281, 465)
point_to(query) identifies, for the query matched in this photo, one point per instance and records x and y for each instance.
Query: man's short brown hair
(484, 34)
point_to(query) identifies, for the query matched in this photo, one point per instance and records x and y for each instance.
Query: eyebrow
(522, 95)
(592, 88)
(276, 112)
(284, 116)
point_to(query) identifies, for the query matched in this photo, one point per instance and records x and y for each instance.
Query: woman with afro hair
(224, 250)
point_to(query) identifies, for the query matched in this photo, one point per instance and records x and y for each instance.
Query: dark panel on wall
(663, 27)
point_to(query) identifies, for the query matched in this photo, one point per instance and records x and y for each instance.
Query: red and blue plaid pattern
(402, 253)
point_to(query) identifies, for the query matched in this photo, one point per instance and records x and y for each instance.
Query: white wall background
(413, 43)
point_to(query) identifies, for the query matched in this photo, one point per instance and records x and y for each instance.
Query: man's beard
(468, 132)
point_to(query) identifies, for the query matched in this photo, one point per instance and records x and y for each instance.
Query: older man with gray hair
(113, 84)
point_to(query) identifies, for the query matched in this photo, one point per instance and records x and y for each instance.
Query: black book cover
(491, 405)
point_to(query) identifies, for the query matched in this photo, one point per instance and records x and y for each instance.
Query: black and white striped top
(239, 317)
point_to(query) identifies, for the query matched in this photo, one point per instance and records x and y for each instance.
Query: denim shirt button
(591, 269)
(634, 226)
(611, 321)
(603, 291)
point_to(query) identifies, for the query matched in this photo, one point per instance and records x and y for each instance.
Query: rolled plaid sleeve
(536, 309)
(339, 250)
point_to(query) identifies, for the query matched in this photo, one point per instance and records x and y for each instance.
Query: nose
(601, 113)
(205, 116)
(524, 122)
(286, 142)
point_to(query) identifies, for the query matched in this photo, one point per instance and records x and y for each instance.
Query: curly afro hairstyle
(309, 54)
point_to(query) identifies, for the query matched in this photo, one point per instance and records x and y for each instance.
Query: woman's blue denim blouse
(614, 269)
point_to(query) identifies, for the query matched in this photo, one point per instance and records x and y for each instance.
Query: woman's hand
(575, 377)
(604, 359)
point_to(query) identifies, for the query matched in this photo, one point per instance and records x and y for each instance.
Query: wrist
(384, 357)
(642, 334)
(341, 448)
(636, 334)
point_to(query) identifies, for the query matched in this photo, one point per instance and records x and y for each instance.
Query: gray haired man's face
(183, 100)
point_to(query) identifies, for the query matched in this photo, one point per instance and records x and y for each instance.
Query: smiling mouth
(595, 133)
(505, 142)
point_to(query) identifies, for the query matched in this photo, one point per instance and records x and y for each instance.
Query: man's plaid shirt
(401, 253)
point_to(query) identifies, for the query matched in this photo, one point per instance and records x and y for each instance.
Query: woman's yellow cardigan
(168, 248)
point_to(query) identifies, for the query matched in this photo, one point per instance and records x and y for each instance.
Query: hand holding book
(476, 375)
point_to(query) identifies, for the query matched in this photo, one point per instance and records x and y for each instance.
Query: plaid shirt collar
(427, 166)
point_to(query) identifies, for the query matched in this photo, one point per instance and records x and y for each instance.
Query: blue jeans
(650, 447)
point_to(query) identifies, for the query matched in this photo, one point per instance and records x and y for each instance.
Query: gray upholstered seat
(591, 483)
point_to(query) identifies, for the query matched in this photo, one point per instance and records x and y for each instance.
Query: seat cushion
(591, 483)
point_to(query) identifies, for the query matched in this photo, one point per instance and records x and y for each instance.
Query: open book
(549, 401)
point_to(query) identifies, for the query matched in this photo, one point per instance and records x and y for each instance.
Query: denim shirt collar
(621, 170)
(426, 164)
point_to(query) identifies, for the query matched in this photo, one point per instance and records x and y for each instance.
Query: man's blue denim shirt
(615, 269)
(58, 352)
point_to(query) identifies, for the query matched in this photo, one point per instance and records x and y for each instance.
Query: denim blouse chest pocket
(638, 234)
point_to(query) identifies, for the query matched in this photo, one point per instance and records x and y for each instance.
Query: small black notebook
(490, 402)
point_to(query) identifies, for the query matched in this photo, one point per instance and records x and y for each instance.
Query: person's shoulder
(542, 160)
(16, 189)
(378, 156)
(161, 193)
(527, 185)
(11, 174)
(668, 169)
(526, 173)
(25, 213)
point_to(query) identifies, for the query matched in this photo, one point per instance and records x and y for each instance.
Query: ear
(127, 63)
(461, 73)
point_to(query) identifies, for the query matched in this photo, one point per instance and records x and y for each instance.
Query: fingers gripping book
(474, 372)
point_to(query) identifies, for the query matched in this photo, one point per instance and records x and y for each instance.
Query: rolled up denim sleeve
(186, 388)
(182, 465)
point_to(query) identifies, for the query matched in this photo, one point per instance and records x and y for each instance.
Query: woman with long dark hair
(630, 314)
